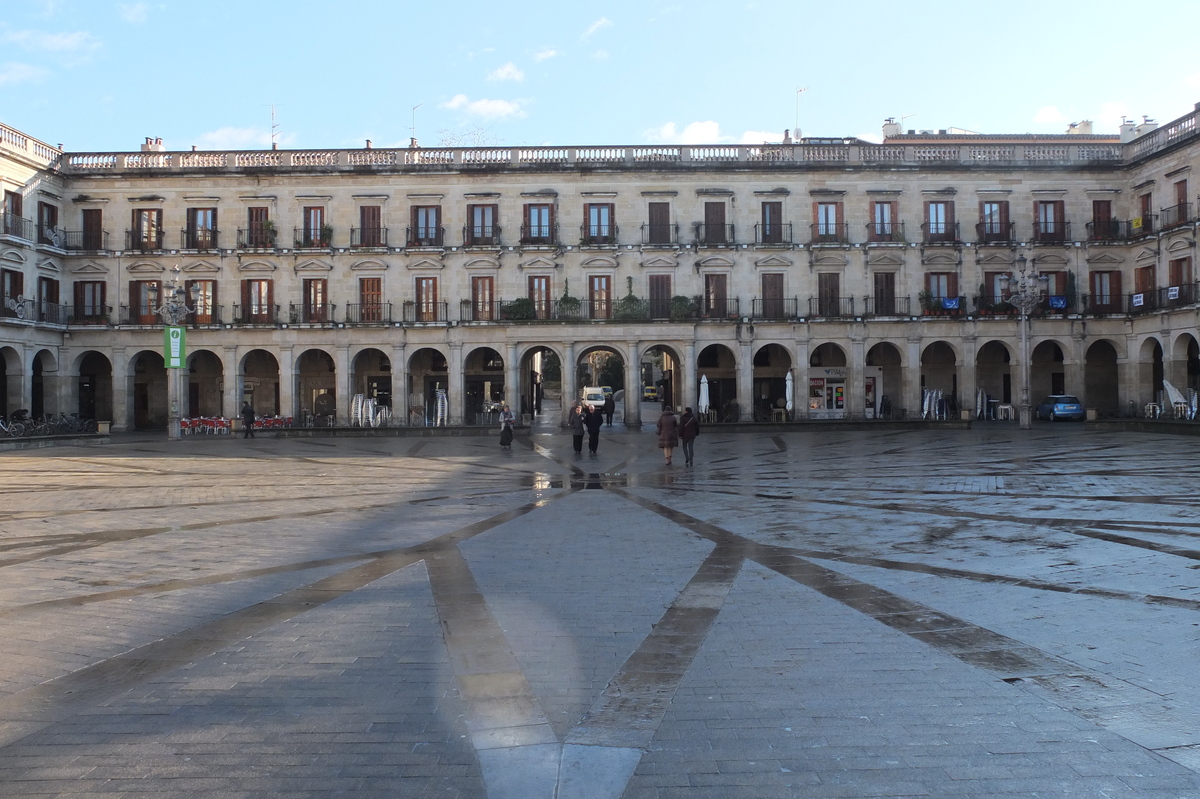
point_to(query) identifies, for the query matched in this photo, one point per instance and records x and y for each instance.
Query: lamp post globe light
(174, 311)
(1026, 288)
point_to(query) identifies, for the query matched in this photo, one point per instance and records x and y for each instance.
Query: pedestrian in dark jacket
(575, 422)
(592, 420)
(610, 405)
(668, 433)
(247, 420)
(507, 420)
(689, 428)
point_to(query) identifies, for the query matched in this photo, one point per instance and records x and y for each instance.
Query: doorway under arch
(717, 364)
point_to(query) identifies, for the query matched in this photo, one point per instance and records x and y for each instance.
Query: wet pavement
(936, 613)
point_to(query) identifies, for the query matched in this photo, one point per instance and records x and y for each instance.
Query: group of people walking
(588, 420)
(675, 430)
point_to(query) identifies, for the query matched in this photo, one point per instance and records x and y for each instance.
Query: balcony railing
(773, 233)
(369, 313)
(308, 239)
(1141, 302)
(199, 239)
(425, 312)
(886, 306)
(886, 232)
(830, 233)
(425, 236)
(539, 235)
(714, 235)
(1107, 230)
(52, 236)
(478, 311)
(660, 235)
(830, 307)
(481, 235)
(1142, 225)
(988, 305)
(85, 240)
(139, 315)
(91, 315)
(598, 235)
(144, 240)
(721, 308)
(213, 315)
(995, 233)
(1051, 232)
(1175, 296)
(256, 314)
(939, 233)
(256, 238)
(19, 226)
(368, 237)
(944, 306)
(311, 314)
(775, 308)
(1180, 214)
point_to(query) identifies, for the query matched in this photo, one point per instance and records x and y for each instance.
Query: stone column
(1073, 370)
(745, 381)
(122, 392)
(856, 387)
(633, 386)
(512, 381)
(966, 376)
(912, 380)
(800, 375)
(20, 385)
(568, 380)
(690, 389)
(399, 384)
(231, 394)
(454, 391)
(341, 385)
(289, 403)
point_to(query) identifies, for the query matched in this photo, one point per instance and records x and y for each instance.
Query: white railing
(315, 158)
(1045, 153)
(837, 152)
(372, 157)
(593, 155)
(992, 153)
(194, 160)
(543, 155)
(881, 153)
(661, 154)
(710, 154)
(925, 153)
(16, 141)
(258, 158)
(487, 155)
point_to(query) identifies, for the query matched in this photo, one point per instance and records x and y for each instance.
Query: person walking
(689, 428)
(592, 421)
(247, 420)
(507, 420)
(575, 422)
(668, 433)
(610, 406)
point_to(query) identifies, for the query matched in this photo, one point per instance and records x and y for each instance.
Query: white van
(593, 395)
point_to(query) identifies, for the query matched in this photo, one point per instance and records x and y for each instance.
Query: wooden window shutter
(952, 284)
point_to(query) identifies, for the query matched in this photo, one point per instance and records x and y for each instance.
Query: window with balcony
(660, 296)
(48, 307)
(370, 227)
(1180, 290)
(316, 301)
(146, 229)
(370, 299)
(538, 227)
(482, 229)
(939, 222)
(771, 227)
(1106, 291)
(659, 229)
(90, 302)
(1143, 223)
(483, 298)
(142, 309)
(829, 296)
(1049, 222)
(201, 233)
(716, 296)
(427, 299)
(993, 222)
(600, 297)
(714, 232)
(1181, 212)
(1103, 227)
(539, 295)
(599, 227)
(48, 232)
(206, 301)
(883, 222)
(885, 294)
(828, 228)
(93, 229)
(772, 293)
(13, 222)
(943, 290)
(994, 291)
(315, 233)
(258, 303)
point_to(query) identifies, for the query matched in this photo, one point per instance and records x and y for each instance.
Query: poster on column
(174, 346)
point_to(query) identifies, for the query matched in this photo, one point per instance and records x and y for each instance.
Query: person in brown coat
(689, 428)
(668, 433)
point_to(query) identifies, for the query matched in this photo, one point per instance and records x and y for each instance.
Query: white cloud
(1049, 115)
(13, 72)
(231, 138)
(694, 133)
(78, 43)
(542, 55)
(507, 72)
(761, 137)
(1110, 116)
(134, 13)
(488, 109)
(600, 55)
(598, 25)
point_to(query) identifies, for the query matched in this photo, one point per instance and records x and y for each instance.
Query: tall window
(315, 233)
(539, 224)
(993, 221)
(828, 226)
(939, 221)
(1179, 291)
(714, 232)
(257, 302)
(483, 298)
(716, 296)
(1049, 221)
(370, 226)
(1103, 227)
(1143, 223)
(426, 228)
(370, 299)
(659, 230)
(993, 287)
(260, 232)
(48, 300)
(206, 301)
(1106, 291)
(600, 296)
(201, 229)
(48, 232)
(12, 222)
(829, 299)
(1180, 212)
(599, 228)
(427, 299)
(772, 290)
(93, 229)
(481, 225)
(141, 301)
(885, 294)
(942, 286)
(772, 223)
(316, 300)
(539, 294)
(883, 222)
(90, 305)
(660, 296)
(146, 229)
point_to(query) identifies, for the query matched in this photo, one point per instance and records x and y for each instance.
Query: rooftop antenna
(796, 129)
(274, 129)
(906, 116)
(413, 129)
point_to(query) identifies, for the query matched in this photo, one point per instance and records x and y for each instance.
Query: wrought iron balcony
(773, 233)
(52, 236)
(1180, 214)
(368, 237)
(309, 239)
(199, 239)
(887, 306)
(943, 306)
(320, 313)
(481, 236)
(830, 307)
(939, 233)
(91, 315)
(660, 235)
(256, 238)
(720, 308)
(885, 232)
(1175, 296)
(775, 308)
(1143, 226)
(425, 312)
(714, 235)
(1051, 232)
(1101, 304)
(829, 233)
(19, 226)
(144, 240)
(85, 240)
(598, 235)
(539, 235)
(995, 233)
(1142, 302)
(369, 313)
(1107, 230)
(991, 305)
(256, 314)
(478, 310)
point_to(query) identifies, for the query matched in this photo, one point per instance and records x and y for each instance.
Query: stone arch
(939, 372)
(204, 393)
(1101, 378)
(259, 373)
(995, 374)
(1185, 362)
(12, 370)
(44, 384)
(148, 389)
(672, 375)
(428, 370)
(1150, 371)
(316, 385)
(718, 365)
(371, 376)
(94, 392)
(888, 357)
(540, 371)
(770, 367)
(1047, 370)
(483, 384)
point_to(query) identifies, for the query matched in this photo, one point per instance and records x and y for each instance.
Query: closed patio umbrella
(789, 392)
(702, 405)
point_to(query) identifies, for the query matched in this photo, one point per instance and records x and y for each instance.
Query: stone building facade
(860, 270)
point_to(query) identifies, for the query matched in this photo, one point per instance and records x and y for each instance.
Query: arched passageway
(1101, 385)
(716, 367)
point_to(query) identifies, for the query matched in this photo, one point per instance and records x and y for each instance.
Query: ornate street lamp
(1026, 288)
(174, 311)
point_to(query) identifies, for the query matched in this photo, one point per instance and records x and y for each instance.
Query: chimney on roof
(1083, 128)
(1147, 125)
(153, 145)
(1127, 130)
(891, 128)
(412, 143)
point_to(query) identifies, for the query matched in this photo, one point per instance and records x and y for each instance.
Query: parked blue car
(1060, 406)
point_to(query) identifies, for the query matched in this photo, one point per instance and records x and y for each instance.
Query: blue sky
(100, 75)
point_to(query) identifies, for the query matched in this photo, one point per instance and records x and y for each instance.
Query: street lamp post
(174, 311)
(1026, 288)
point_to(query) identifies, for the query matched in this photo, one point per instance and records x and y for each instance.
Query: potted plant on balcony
(628, 307)
(568, 306)
(326, 236)
(682, 308)
(520, 309)
(925, 298)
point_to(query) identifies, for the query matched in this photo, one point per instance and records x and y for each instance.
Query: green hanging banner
(175, 347)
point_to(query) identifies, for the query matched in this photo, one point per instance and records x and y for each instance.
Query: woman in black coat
(668, 433)
(592, 420)
(689, 428)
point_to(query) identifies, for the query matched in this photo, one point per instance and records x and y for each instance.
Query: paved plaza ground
(891, 613)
